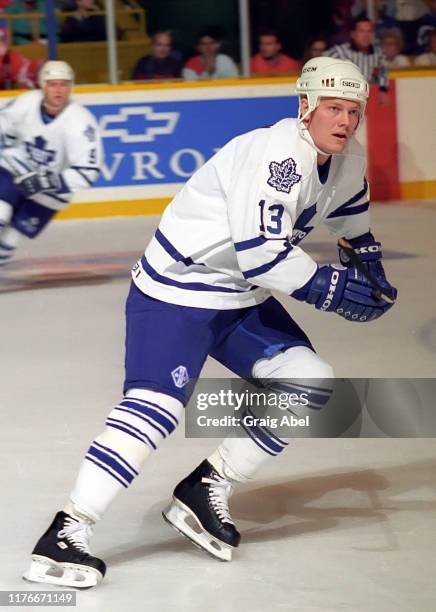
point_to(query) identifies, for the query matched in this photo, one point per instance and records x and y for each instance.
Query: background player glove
(345, 291)
(35, 182)
(369, 253)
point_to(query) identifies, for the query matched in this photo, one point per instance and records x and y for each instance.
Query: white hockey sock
(134, 428)
(5, 213)
(223, 469)
(244, 457)
(9, 238)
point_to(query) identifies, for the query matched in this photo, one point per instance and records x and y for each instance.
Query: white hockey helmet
(55, 70)
(328, 77)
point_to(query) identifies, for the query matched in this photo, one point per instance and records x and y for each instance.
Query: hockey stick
(379, 291)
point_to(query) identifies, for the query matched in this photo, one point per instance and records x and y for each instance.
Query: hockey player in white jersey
(49, 149)
(230, 236)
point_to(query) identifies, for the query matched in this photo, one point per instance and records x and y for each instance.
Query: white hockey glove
(37, 181)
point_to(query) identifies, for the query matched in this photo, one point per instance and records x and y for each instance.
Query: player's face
(57, 94)
(333, 123)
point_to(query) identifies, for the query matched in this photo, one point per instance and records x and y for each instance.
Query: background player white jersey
(50, 148)
(233, 229)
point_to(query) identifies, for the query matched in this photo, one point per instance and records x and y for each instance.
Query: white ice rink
(333, 525)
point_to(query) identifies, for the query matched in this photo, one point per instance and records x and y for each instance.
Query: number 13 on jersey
(271, 218)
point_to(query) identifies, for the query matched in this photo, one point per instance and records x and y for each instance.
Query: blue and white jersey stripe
(165, 268)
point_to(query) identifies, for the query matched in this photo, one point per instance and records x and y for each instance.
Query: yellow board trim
(422, 190)
(118, 208)
(241, 82)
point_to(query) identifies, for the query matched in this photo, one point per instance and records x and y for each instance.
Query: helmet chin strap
(305, 135)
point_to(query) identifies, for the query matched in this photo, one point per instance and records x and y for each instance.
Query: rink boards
(156, 136)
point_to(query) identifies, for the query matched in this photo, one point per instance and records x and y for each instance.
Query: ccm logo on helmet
(333, 284)
(309, 69)
(351, 84)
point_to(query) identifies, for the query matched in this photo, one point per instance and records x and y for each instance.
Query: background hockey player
(50, 149)
(203, 287)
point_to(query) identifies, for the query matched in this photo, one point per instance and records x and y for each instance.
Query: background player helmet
(55, 70)
(327, 77)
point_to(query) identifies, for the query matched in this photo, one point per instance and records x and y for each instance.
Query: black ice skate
(62, 556)
(200, 511)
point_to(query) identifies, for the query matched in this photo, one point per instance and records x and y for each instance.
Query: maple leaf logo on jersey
(283, 175)
(90, 133)
(37, 151)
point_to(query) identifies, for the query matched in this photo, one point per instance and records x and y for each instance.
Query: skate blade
(178, 515)
(47, 571)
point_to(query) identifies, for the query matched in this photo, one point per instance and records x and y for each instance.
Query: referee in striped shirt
(365, 54)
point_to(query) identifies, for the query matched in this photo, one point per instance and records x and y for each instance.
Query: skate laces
(77, 533)
(219, 493)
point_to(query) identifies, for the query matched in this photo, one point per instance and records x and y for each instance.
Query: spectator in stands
(84, 26)
(362, 51)
(342, 21)
(163, 63)
(316, 46)
(209, 63)
(23, 29)
(429, 58)
(425, 25)
(384, 15)
(4, 23)
(16, 71)
(391, 44)
(270, 60)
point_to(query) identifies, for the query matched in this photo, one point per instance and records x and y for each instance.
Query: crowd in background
(402, 35)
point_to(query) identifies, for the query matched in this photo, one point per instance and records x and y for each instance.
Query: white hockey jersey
(69, 145)
(231, 235)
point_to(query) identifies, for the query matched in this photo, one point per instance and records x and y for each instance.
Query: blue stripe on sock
(132, 412)
(130, 433)
(313, 395)
(130, 429)
(107, 471)
(155, 415)
(268, 432)
(111, 462)
(110, 450)
(6, 247)
(142, 402)
(265, 439)
(265, 450)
